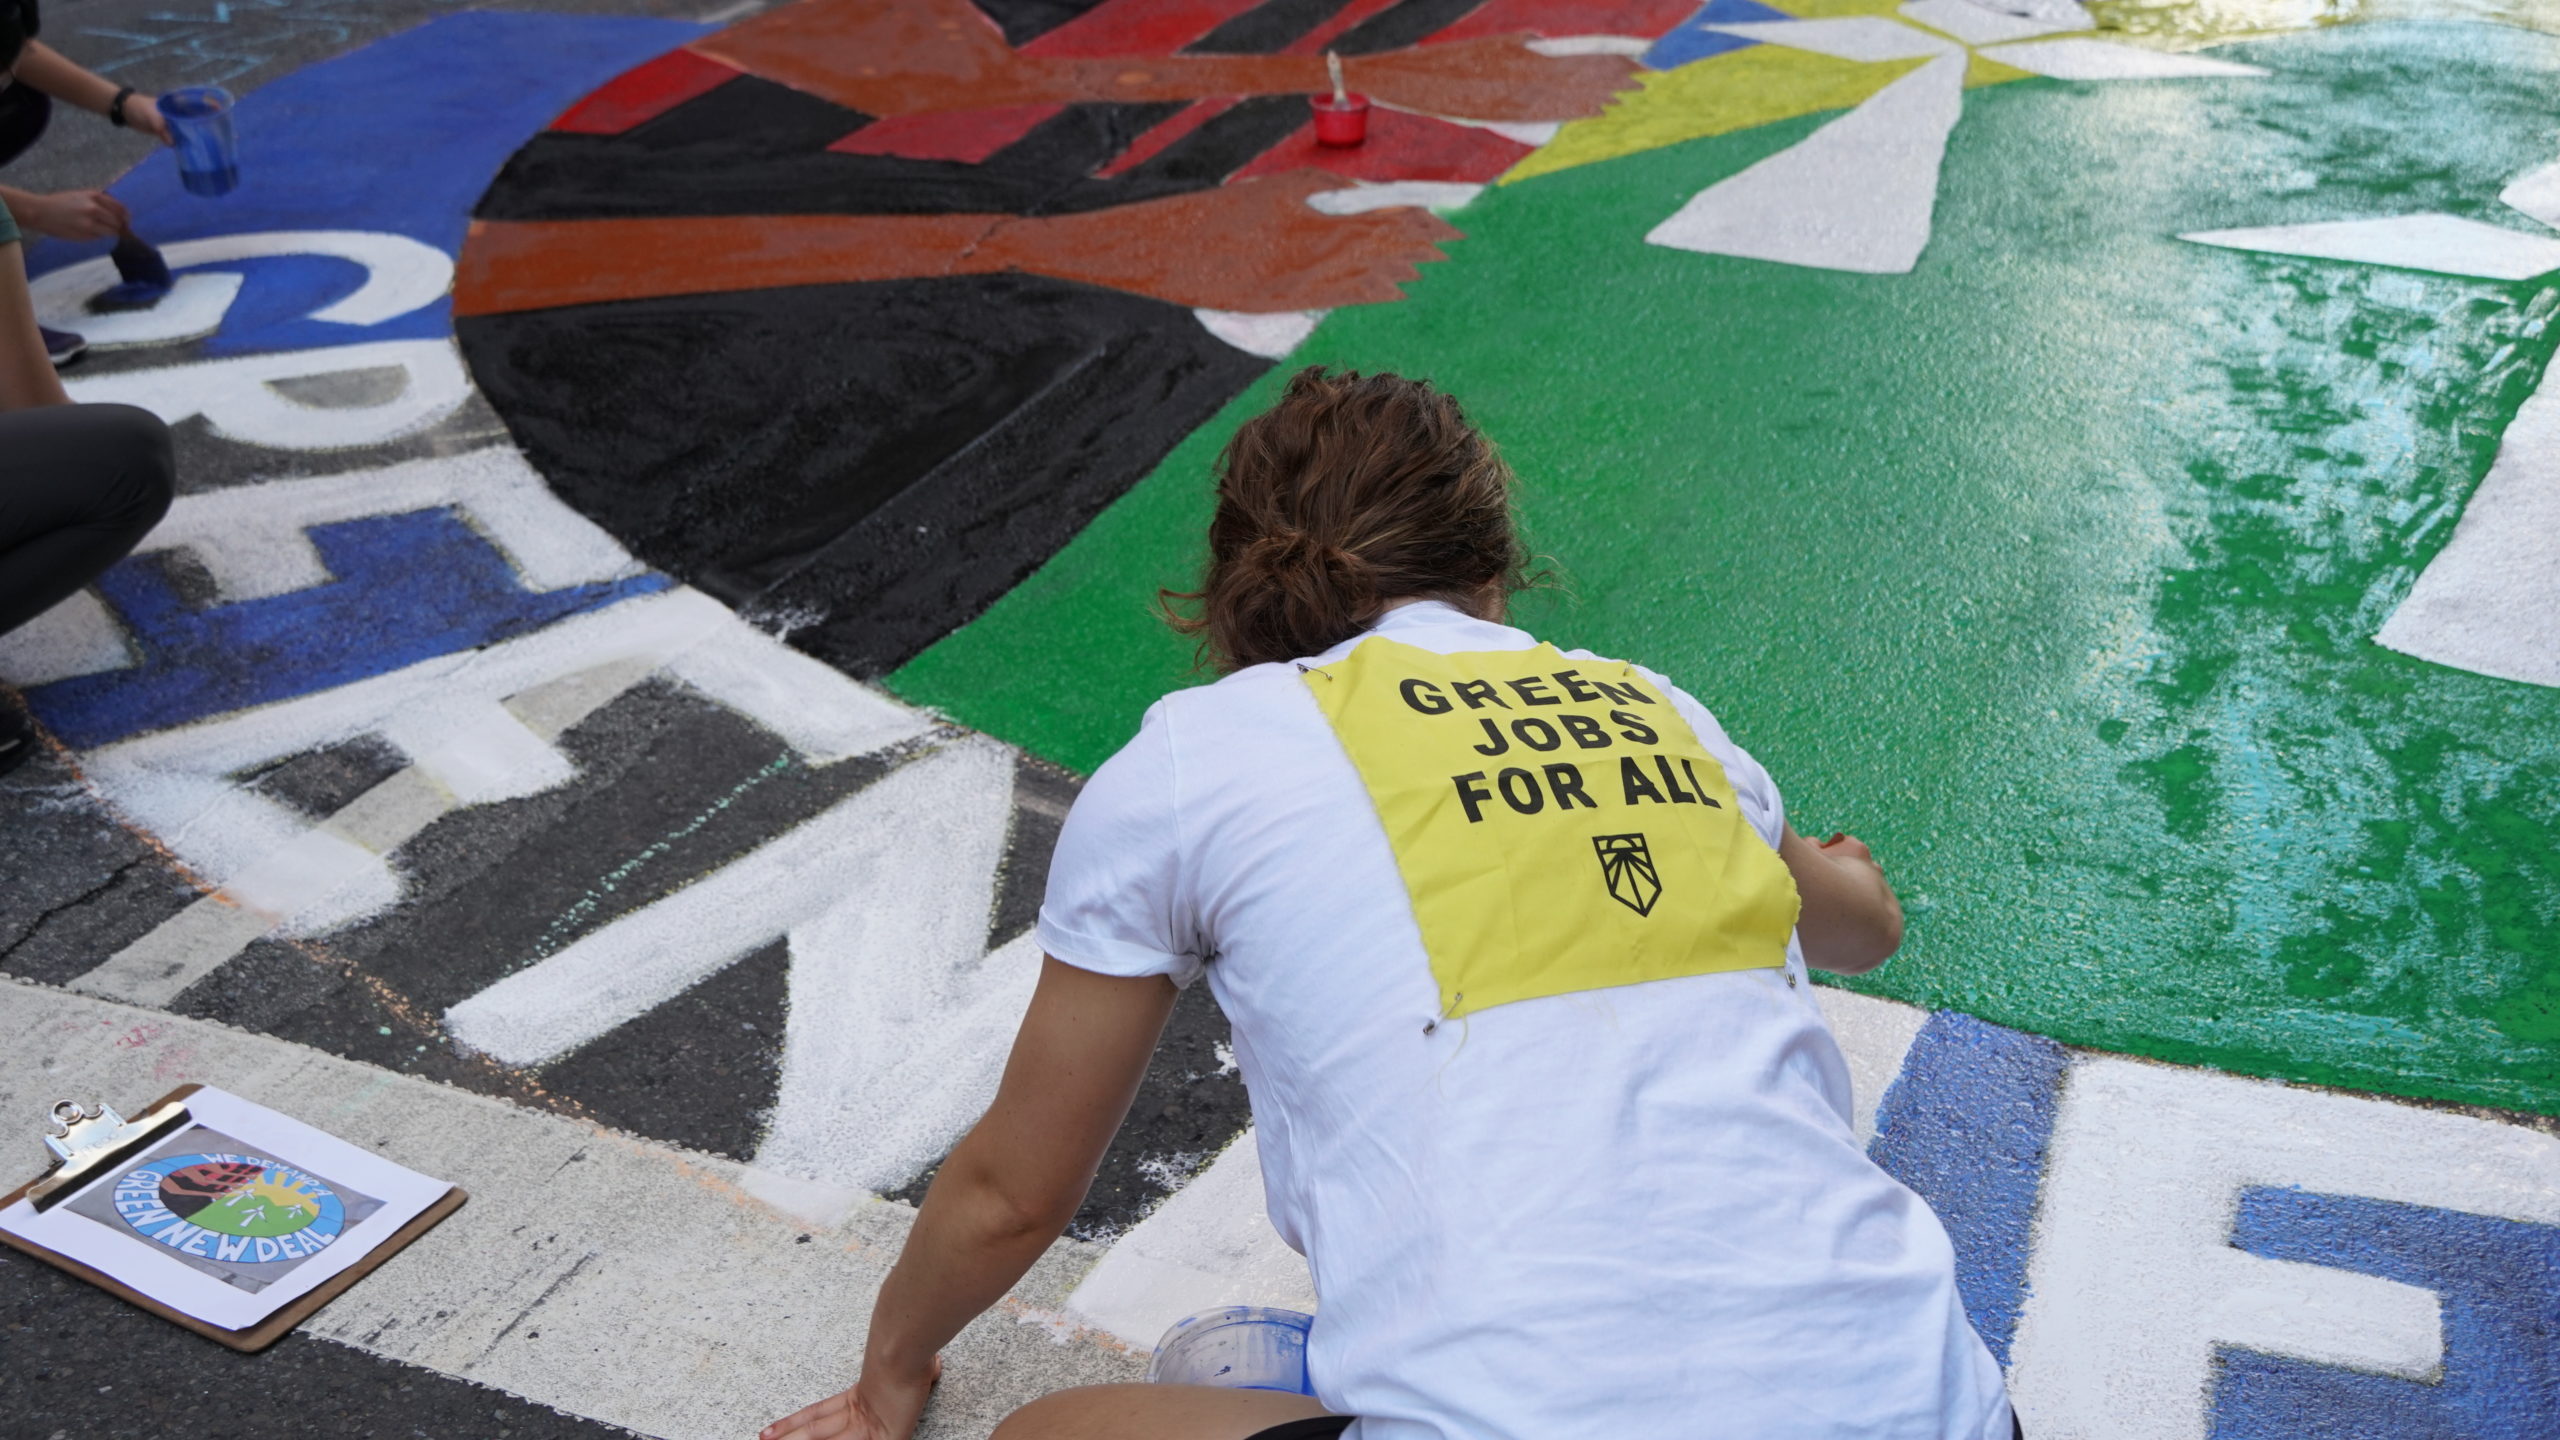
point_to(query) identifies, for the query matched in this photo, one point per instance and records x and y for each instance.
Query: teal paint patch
(2051, 568)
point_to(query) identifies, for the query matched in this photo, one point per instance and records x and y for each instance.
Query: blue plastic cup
(199, 119)
(1241, 1347)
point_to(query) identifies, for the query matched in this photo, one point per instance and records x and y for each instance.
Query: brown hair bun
(1350, 492)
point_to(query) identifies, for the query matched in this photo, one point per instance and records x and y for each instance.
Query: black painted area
(1042, 793)
(1266, 27)
(1186, 1111)
(1408, 22)
(84, 1365)
(1024, 21)
(1229, 141)
(762, 156)
(320, 783)
(869, 466)
(700, 1071)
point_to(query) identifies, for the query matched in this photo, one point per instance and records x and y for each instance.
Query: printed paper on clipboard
(234, 1215)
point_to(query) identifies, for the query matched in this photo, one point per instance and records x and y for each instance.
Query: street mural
(657, 558)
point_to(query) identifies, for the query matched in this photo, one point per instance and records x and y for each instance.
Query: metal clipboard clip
(87, 1140)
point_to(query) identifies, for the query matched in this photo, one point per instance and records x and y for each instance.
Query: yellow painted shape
(1557, 824)
(1980, 70)
(1715, 96)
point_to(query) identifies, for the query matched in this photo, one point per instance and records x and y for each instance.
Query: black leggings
(23, 112)
(80, 485)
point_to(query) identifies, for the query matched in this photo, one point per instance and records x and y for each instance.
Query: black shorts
(1325, 1427)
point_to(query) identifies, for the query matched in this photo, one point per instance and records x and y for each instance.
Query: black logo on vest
(1627, 867)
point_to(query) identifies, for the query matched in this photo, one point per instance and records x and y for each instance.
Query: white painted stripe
(2100, 60)
(900, 1020)
(2490, 600)
(77, 637)
(1875, 1037)
(2134, 1282)
(177, 783)
(1627, 45)
(239, 399)
(1271, 335)
(192, 309)
(1211, 1244)
(2442, 243)
(1423, 194)
(610, 1277)
(2536, 194)
(1867, 38)
(1858, 194)
(254, 540)
(1977, 25)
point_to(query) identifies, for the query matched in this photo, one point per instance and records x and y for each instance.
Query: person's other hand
(1845, 846)
(73, 215)
(876, 1408)
(142, 112)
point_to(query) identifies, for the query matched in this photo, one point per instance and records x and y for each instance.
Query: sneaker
(62, 346)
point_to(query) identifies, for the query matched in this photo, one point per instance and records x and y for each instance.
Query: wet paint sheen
(2051, 568)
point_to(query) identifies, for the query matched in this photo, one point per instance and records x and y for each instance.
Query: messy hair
(1352, 491)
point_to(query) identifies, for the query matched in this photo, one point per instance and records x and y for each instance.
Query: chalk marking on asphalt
(400, 275)
(899, 1017)
(1860, 193)
(2134, 1281)
(611, 1277)
(2490, 600)
(477, 726)
(239, 398)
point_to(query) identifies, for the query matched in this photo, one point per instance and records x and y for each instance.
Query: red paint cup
(1344, 124)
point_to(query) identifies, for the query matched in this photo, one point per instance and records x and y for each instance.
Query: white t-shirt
(1635, 1213)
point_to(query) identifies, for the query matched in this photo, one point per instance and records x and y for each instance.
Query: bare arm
(1851, 921)
(1005, 1193)
(26, 374)
(54, 73)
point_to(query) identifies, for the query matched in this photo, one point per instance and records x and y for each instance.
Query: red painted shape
(1647, 18)
(965, 135)
(1137, 27)
(644, 92)
(1156, 141)
(1399, 147)
(1358, 11)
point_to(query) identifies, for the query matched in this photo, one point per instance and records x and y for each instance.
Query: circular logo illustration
(245, 1196)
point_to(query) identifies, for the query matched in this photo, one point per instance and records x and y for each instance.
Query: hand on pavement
(874, 1409)
(142, 112)
(73, 215)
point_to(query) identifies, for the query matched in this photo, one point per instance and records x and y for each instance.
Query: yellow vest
(1557, 824)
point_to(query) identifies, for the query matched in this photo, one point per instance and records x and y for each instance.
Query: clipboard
(94, 1144)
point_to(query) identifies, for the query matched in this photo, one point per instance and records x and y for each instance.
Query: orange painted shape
(1161, 138)
(969, 136)
(1650, 19)
(643, 93)
(1137, 27)
(1399, 147)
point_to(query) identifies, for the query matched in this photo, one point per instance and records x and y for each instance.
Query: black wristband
(115, 107)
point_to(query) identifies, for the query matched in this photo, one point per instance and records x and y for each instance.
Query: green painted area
(2050, 568)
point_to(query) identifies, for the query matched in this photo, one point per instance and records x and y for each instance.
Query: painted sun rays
(1860, 194)
(2490, 600)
